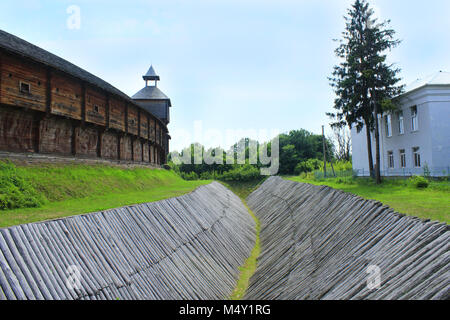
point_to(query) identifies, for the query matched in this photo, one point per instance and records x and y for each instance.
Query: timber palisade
(50, 106)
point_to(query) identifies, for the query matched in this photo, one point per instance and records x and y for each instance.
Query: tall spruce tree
(363, 82)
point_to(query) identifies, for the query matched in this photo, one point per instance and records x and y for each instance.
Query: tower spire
(151, 76)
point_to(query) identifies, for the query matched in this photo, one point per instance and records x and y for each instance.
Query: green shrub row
(238, 173)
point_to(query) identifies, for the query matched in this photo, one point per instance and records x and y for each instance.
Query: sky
(231, 68)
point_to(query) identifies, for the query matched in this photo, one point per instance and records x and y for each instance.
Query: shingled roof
(19, 46)
(150, 93)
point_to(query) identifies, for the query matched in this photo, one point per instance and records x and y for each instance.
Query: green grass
(66, 190)
(431, 203)
(243, 190)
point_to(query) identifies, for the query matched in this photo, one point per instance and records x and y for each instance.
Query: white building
(416, 138)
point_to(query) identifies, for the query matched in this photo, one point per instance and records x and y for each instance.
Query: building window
(401, 123)
(24, 87)
(391, 159)
(403, 159)
(388, 119)
(96, 109)
(414, 119)
(416, 155)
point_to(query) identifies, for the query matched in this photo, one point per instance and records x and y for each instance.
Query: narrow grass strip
(249, 267)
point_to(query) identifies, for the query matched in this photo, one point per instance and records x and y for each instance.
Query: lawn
(37, 193)
(431, 203)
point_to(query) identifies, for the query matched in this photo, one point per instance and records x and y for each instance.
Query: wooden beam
(107, 111)
(83, 102)
(99, 142)
(139, 123)
(73, 138)
(1, 68)
(49, 91)
(119, 138)
(148, 127)
(149, 152)
(37, 118)
(126, 117)
(132, 148)
(156, 138)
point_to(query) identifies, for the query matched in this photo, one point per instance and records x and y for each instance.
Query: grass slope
(55, 191)
(432, 203)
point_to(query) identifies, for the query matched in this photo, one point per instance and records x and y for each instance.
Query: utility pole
(324, 153)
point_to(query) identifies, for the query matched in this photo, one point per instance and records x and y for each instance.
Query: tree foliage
(364, 83)
(295, 147)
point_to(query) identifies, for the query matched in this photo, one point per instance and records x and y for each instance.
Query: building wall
(117, 114)
(126, 149)
(13, 71)
(86, 141)
(63, 115)
(66, 96)
(55, 136)
(145, 152)
(160, 108)
(16, 130)
(432, 137)
(110, 146)
(440, 135)
(95, 106)
(137, 150)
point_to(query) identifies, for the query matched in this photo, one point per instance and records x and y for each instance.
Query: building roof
(150, 93)
(16, 45)
(19, 46)
(438, 79)
(151, 74)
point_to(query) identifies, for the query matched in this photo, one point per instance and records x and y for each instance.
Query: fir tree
(364, 83)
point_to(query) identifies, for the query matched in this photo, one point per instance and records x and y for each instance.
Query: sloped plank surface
(317, 243)
(188, 247)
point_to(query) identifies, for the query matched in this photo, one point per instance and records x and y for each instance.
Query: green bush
(241, 173)
(191, 176)
(307, 166)
(341, 166)
(419, 182)
(206, 176)
(15, 190)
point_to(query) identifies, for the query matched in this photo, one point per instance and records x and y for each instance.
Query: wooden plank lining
(189, 247)
(317, 243)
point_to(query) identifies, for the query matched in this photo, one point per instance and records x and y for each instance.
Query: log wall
(319, 243)
(186, 248)
(45, 110)
(16, 130)
(55, 136)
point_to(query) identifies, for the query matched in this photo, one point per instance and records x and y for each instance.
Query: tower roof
(151, 74)
(150, 93)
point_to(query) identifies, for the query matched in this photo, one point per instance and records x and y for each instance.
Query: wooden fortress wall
(44, 110)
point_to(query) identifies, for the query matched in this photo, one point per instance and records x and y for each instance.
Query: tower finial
(151, 75)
